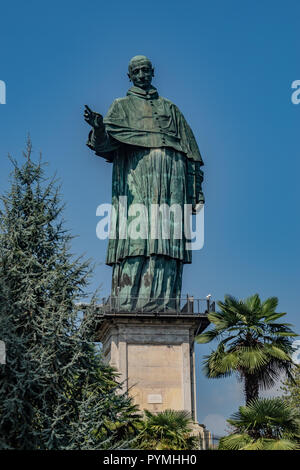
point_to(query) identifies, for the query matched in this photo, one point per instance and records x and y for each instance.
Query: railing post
(191, 301)
(118, 299)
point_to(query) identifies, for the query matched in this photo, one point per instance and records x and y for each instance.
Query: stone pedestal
(154, 355)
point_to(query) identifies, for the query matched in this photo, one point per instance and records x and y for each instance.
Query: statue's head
(140, 71)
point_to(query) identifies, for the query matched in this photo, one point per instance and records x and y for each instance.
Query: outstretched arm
(98, 139)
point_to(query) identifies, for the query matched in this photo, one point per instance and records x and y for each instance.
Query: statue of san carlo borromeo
(156, 161)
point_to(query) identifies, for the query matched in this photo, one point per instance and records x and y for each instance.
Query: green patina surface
(156, 160)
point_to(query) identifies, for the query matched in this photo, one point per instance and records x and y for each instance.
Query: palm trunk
(250, 387)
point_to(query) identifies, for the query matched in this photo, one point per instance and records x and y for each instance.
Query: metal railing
(182, 305)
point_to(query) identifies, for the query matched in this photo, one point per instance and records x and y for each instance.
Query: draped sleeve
(102, 143)
(194, 184)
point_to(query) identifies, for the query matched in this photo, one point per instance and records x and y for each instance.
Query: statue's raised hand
(93, 119)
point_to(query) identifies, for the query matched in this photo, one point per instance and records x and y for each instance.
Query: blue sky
(229, 68)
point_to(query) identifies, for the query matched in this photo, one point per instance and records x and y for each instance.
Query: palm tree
(252, 344)
(166, 430)
(266, 424)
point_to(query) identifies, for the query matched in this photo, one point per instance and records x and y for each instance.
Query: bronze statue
(156, 161)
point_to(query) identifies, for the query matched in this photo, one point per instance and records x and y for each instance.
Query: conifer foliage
(55, 392)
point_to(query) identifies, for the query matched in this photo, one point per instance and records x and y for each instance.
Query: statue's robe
(156, 160)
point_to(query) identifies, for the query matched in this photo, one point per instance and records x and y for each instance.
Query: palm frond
(253, 303)
(269, 306)
(252, 358)
(280, 444)
(267, 417)
(207, 337)
(235, 441)
(273, 316)
(220, 363)
(250, 340)
(277, 352)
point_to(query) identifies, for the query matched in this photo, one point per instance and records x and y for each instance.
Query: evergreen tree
(55, 392)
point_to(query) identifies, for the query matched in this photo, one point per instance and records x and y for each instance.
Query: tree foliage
(265, 424)
(166, 430)
(291, 388)
(252, 343)
(55, 391)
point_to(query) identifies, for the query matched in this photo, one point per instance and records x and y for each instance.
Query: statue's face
(141, 74)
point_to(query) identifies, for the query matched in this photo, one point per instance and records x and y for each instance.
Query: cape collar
(147, 95)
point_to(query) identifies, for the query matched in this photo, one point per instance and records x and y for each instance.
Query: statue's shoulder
(117, 107)
(170, 104)
(166, 101)
(119, 101)
(120, 109)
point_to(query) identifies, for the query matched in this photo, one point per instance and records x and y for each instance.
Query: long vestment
(156, 161)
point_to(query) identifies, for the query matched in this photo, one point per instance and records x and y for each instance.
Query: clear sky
(229, 67)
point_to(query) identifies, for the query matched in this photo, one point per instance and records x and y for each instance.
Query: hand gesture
(93, 119)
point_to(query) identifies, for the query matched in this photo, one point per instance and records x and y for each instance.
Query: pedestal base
(154, 355)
